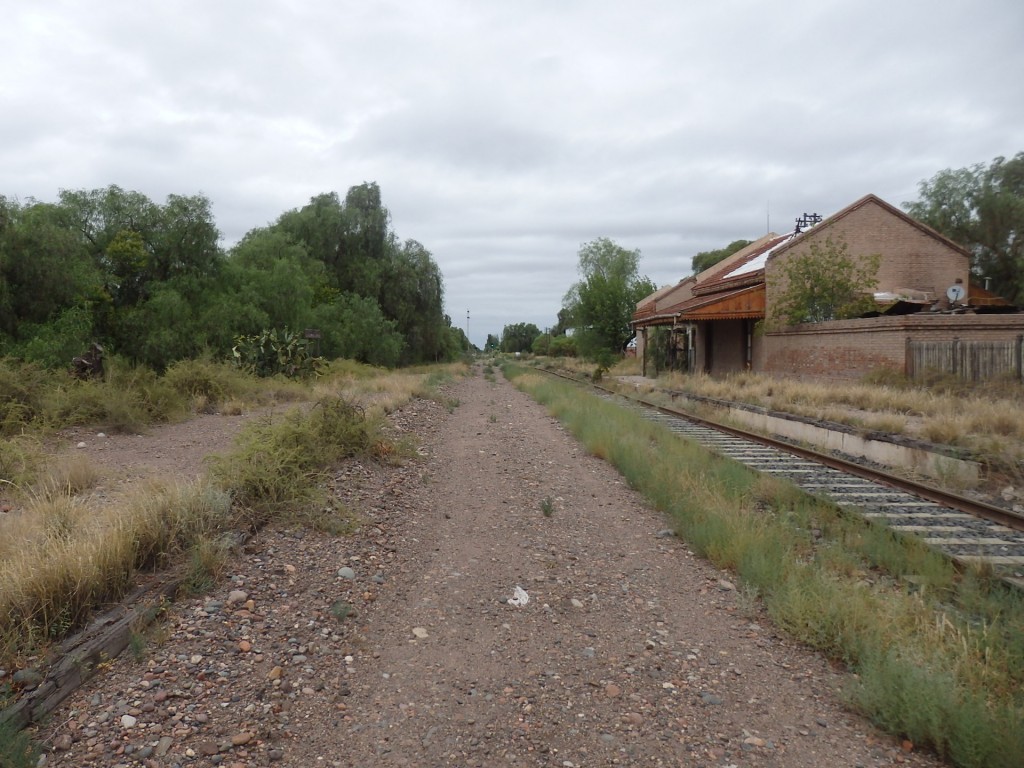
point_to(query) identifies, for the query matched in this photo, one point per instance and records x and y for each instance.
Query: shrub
(562, 346)
(275, 465)
(21, 388)
(20, 456)
(542, 344)
(130, 398)
(208, 383)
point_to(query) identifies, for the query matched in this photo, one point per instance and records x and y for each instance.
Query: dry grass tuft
(68, 475)
(985, 420)
(20, 459)
(379, 392)
(63, 557)
(944, 430)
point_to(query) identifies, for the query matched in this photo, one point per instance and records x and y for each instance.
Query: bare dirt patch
(398, 645)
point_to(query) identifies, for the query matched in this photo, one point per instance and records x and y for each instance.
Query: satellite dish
(955, 292)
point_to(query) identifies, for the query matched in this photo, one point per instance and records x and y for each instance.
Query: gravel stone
(628, 651)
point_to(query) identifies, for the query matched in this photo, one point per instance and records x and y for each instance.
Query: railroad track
(965, 529)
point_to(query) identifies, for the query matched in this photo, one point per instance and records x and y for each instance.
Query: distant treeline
(150, 282)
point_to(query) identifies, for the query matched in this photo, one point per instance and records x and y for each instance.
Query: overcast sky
(504, 135)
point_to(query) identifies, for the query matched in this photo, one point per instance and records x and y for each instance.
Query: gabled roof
(653, 298)
(648, 303)
(891, 209)
(734, 288)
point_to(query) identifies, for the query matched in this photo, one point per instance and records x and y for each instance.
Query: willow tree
(981, 208)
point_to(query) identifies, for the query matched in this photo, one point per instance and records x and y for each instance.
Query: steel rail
(980, 509)
(940, 496)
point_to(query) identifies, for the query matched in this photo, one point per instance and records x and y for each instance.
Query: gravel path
(398, 645)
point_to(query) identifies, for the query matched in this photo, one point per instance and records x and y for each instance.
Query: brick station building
(930, 313)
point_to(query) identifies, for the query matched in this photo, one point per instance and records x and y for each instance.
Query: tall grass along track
(937, 651)
(967, 530)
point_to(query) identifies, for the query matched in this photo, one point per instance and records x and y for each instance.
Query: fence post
(1018, 357)
(956, 357)
(908, 360)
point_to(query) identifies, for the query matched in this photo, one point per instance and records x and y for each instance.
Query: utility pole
(467, 328)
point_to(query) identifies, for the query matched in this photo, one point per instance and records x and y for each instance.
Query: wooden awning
(741, 304)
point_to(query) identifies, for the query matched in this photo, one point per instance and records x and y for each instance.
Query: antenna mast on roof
(807, 220)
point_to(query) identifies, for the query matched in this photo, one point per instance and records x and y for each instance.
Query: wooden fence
(968, 360)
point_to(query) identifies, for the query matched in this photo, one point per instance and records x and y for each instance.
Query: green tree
(44, 269)
(601, 305)
(367, 241)
(319, 227)
(186, 240)
(55, 343)
(146, 252)
(363, 257)
(413, 295)
(518, 337)
(164, 328)
(455, 342)
(150, 282)
(823, 283)
(354, 327)
(983, 210)
(707, 259)
(492, 342)
(267, 265)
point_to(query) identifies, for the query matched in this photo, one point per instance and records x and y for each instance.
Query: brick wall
(911, 258)
(848, 349)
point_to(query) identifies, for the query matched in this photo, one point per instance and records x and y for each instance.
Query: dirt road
(400, 645)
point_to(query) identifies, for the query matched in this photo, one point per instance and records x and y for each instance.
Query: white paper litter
(519, 597)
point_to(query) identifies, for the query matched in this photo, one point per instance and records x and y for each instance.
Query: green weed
(16, 748)
(340, 610)
(547, 507)
(276, 464)
(206, 560)
(936, 654)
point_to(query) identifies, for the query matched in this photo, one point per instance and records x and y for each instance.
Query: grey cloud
(505, 135)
